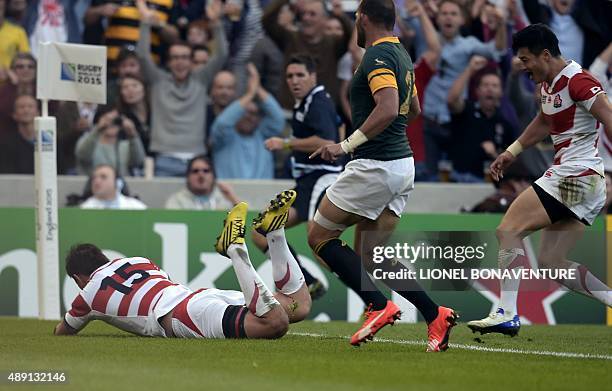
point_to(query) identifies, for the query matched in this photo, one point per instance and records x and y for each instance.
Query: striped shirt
(123, 26)
(128, 293)
(566, 105)
(252, 31)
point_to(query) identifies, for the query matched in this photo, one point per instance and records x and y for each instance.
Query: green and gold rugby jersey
(385, 64)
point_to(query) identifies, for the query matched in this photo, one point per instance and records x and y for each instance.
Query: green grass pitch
(313, 356)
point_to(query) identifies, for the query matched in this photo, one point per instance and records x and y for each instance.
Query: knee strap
(327, 223)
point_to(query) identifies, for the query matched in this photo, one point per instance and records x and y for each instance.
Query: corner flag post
(65, 72)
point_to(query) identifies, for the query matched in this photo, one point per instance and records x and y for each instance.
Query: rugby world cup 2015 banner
(181, 242)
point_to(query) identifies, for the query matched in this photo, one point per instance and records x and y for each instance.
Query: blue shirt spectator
(455, 56)
(239, 132)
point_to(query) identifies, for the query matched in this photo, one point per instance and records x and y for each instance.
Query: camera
(118, 121)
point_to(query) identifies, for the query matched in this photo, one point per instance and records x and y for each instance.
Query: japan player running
(571, 192)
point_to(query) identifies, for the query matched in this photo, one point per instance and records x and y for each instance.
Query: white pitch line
(476, 347)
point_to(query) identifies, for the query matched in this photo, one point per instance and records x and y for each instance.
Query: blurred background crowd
(196, 88)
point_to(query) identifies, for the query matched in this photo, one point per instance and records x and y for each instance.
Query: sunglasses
(202, 170)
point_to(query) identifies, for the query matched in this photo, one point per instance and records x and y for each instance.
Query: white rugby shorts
(584, 195)
(366, 187)
(203, 315)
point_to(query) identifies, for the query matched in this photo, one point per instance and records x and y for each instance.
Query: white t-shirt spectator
(50, 26)
(184, 199)
(120, 202)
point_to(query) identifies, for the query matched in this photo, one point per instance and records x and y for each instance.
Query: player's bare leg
(272, 325)
(440, 320)
(266, 317)
(323, 237)
(292, 291)
(557, 240)
(297, 305)
(525, 215)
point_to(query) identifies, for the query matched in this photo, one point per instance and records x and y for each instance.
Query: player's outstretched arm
(307, 145)
(535, 132)
(63, 328)
(602, 111)
(385, 111)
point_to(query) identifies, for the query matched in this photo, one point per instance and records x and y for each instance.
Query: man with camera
(113, 141)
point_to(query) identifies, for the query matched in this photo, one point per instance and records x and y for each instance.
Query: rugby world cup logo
(68, 71)
(558, 102)
(46, 138)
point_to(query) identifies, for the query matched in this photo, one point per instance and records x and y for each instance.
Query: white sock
(589, 285)
(285, 270)
(509, 287)
(257, 296)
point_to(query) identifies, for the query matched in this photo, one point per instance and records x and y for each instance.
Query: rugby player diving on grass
(135, 295)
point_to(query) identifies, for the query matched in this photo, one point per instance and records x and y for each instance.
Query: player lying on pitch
(135, 295)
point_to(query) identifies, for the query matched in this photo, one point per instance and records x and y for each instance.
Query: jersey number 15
(121, 272)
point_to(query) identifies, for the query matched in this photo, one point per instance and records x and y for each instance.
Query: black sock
(422, 302)
(308, 278)
(347, 265)
(413, 292)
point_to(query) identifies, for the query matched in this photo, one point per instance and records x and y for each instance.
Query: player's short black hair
(84, 258)
(380, 12)
(307, 60)
(536, 38)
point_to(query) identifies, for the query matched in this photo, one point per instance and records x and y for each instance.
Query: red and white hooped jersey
(128, 293)
(574, 131)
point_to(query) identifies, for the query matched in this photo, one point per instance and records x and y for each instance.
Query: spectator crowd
(197, 87)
